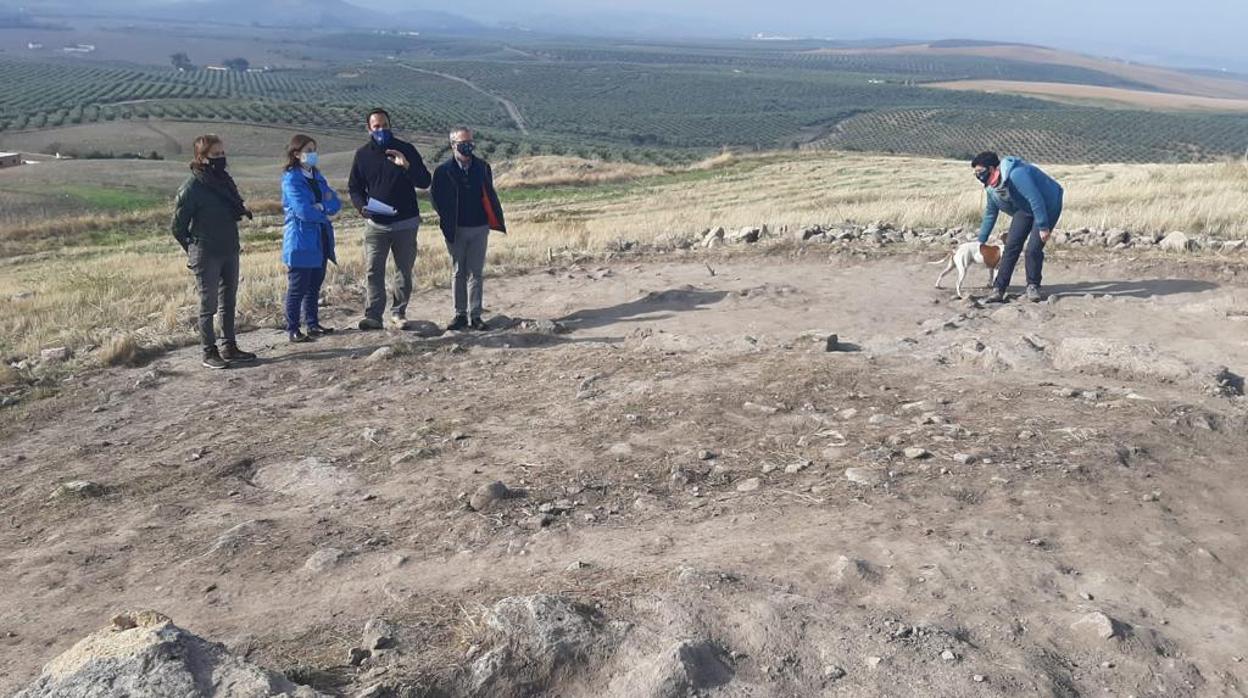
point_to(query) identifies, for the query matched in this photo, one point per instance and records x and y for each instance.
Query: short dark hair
(375, 112)
(986, 159)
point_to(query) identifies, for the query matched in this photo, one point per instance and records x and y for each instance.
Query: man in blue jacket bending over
(1033, 200)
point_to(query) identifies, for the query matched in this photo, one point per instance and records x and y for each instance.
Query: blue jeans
(1023, 233)
(303, 292)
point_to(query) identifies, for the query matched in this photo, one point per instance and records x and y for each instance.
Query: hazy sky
(1213, 30)
(1204, 33)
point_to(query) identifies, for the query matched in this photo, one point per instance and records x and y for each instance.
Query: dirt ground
(1046, 499)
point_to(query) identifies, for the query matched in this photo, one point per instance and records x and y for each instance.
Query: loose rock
(488, 495)
(323, 560)
(381, 354)
(864, 476)
(55, 355)
(379, 634)
(1177, 242)
(78, 488)
(794, 468)
(1097, 626)
(749, 485)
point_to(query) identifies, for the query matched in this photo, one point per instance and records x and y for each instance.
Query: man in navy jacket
(388, 172)
(468, 209)
(1033, 200)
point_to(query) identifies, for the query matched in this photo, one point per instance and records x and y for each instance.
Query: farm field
(1092, 95)
(668, 104)
(1131, 74)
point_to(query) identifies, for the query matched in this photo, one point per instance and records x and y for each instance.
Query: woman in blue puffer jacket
(308, 237)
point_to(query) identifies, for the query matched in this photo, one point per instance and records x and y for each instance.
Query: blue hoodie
(308, 235)
(1029, 190)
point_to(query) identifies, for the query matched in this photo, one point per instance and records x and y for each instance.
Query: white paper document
(381, 208)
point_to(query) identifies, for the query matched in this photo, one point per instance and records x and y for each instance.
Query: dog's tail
(942, 260)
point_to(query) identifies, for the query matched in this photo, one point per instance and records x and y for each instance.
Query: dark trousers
(303, 292)
(217, 278)
(1024, 234)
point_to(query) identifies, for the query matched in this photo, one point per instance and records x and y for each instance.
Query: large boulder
(536, 640)
(144, 654)
(686, 667)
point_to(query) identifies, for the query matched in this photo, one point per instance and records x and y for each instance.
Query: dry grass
(556, 170)
(30, 237)
(715, 162)
(120, 350)
(139, 289)
(797, 190)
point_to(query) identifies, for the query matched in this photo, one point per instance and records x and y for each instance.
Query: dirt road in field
(960, 500)
(513, 112)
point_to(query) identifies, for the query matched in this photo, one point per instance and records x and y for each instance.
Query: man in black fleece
(387, 171)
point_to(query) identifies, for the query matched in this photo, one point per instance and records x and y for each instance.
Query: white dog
(969, 253)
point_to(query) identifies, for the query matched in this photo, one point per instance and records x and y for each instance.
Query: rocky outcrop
(144, 654)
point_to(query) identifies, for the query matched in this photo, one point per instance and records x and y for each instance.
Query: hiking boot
(298, 337)
(459, 323)
(319, 331)
(479, 325)
(369, 323)
(212, 359)
(1033, 293)
(997, 296)
(231, 353)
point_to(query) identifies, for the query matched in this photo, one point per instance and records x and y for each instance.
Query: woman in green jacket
(205, 222)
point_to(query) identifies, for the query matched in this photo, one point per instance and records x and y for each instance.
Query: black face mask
(217, 164)
(982, 176)
(465, 148)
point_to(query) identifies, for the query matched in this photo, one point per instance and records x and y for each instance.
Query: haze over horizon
(1195, 34)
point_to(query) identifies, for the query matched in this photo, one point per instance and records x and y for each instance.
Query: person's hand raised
(398, 158)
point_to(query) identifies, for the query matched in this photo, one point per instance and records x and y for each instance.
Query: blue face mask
(308, 159)
(382, 136)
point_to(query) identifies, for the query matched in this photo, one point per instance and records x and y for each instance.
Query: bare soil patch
(677, 443)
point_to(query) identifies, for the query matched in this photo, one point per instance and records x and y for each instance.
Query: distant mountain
(435, 21)
(285, 13)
